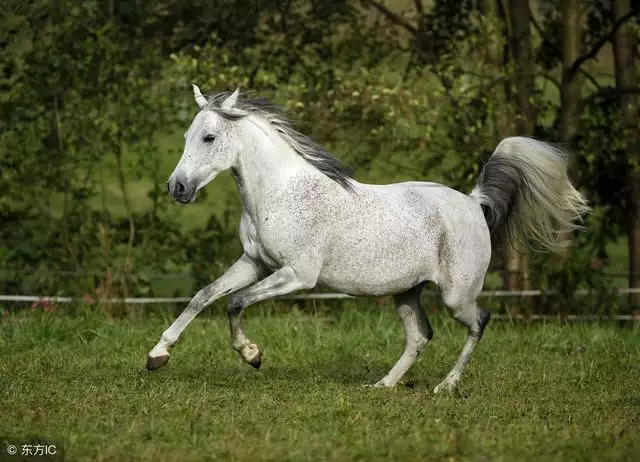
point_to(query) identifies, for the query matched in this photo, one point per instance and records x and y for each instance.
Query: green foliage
(93, 94)
(581, 269)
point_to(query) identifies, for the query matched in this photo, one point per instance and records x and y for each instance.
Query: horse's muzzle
(181, 190)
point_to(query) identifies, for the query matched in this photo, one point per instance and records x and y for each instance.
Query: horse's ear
(200, 99)
(231, 100)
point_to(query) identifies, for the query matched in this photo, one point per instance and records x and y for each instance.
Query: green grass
(540, 392)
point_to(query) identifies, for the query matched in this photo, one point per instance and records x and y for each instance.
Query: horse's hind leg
(417, 332)
(464, 310)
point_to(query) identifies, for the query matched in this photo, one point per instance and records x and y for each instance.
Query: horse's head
(211, 146)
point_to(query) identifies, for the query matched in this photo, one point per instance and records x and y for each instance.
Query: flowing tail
(526, 195)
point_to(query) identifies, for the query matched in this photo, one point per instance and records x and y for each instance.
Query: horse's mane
(276, 117)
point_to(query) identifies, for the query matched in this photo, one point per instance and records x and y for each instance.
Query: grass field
(540, 392)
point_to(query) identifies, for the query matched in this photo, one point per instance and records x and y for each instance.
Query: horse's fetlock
(169, 338)
(237, 346)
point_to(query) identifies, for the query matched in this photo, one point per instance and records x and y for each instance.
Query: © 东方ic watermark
(14, 449)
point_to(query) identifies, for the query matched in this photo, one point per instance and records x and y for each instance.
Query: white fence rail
(309, 296)
(329, 296)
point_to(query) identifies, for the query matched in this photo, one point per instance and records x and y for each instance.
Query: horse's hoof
(383, 384)
(157, 362)
(380, 384)
(256, 361)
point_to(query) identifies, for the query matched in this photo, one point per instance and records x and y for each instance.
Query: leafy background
(95, 96)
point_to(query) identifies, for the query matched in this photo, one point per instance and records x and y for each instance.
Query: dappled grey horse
(305, 221)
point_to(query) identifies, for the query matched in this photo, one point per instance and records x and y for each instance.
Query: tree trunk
(570, 102)
(517, 275)
(503, 117)
(501, 108)
(125, 267)
(571, 86)
(624, 49)
(522, 56)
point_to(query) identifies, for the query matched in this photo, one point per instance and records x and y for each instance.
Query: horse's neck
(265, 163)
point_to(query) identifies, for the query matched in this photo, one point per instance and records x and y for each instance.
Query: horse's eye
(209, 138)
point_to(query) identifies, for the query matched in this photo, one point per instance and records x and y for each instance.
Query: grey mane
(315, 154)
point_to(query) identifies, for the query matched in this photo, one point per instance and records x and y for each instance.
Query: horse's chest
(253, 245)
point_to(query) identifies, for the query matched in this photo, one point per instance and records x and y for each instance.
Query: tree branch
(575, 66)
(591, 79)
(393, 17)
(551, 79)
(612, 91)
(632, 90)
(536, 25)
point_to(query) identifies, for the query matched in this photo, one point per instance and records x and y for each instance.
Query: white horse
(305, 221)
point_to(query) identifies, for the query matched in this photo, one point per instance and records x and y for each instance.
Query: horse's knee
(202, 298)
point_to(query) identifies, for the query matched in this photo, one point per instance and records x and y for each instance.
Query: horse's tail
(526, 195)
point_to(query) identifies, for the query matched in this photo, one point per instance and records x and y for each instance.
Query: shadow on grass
(348, 371)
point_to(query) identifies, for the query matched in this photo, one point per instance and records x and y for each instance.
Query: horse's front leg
(283, 281)
(242, 273)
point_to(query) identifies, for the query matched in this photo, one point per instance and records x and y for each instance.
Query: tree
(518, 15)
(571, 84)
(625, 50)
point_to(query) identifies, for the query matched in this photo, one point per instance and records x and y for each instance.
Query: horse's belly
(364, 286)
(361, 271)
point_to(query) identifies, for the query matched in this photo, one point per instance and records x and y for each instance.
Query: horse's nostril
(179, 188)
